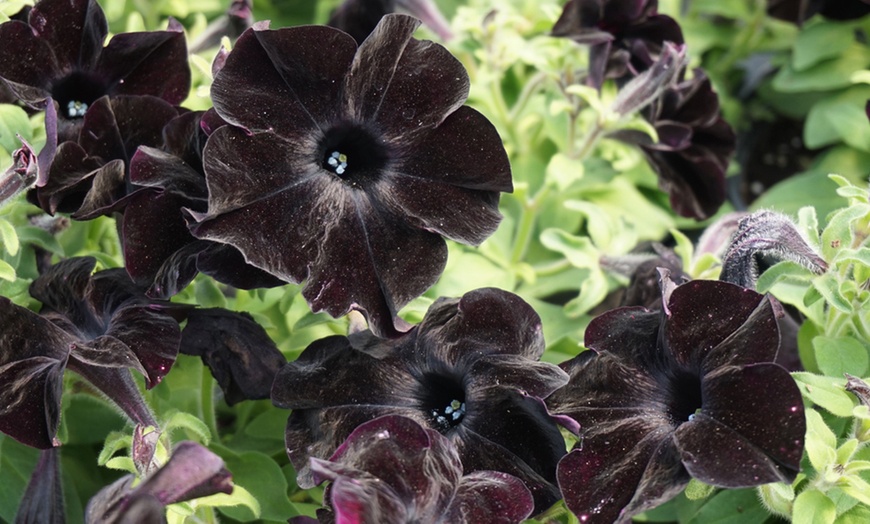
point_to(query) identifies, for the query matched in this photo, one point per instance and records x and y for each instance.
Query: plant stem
(207, 396)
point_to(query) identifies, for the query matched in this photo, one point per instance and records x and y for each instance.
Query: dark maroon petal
(419, 465)
(63, 286)
(493, 496)
(29, 80)
(69, 179)
(107, 505)
(673, 136)
(227, 265)
(237, 350)
(33, 356)
(319, 432)
(152, 335)
(156, 169)
(192, 472)
(43, 499)
(114, 127)
(118, 385)
(702, 314)
(153, 231)
(694, 179)
(637, 328)
(485, 321)
(396, 79)
(366, 499)
(538, 379)
(107, 351)
(656, 30)
(108, 186)
(147, 63)
(450, 183)
(618, 470)
(750, 430)
(283, 80)
(75, 30)
(756, 340)
(330, 372)
(176, 271)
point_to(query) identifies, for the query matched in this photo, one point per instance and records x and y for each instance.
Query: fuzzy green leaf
(836, 356)
(827, 392)
(813, 507)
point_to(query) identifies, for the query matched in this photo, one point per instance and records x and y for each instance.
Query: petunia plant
(390, 261)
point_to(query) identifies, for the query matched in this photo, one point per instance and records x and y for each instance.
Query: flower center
(353, 153)
(685, 398)
(75, 93)
(443, 402)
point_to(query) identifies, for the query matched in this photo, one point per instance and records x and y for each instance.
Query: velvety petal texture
(392, 469)
(345, 166)
(469, 371)
(689, 390)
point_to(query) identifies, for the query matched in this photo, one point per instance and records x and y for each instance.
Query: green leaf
(820, 41)
(821, 443)
(7, 272)
(115, 442)
(838, 233)
(9, 237)
(208, 294)
(733, 506)
(813, 507)
(859, 514)
(829, 287)
(564, 171)
(13, 121)
(777, 497)
(861, 256)
(592, 291)
(16, 465)
(836, 356)
(854, 486)
(831, 121)
(579, 251)
(183, 420)
(240, 502)
(808, 222)
(823, 76)
(41, 238)
(827, 392)
(121, 464)
(263, 479)
(807, 351)
(785, 270)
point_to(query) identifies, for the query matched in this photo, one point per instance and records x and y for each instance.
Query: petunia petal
(637, 328)
(539, 379)
(153, 336)
(237, 350)
(29, 80)
(277, 93)
(43, 500)
(75, 30)
(193, 471)
(395, 79)
(750, 430)
(493, 496)
(756, 340)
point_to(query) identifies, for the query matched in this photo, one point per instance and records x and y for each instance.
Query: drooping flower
(191, 472)
(63, 41)
(99, 326)
(345, 166)
(469, 370)
(688, 391)
(392, 469)
(625, 37)
(358, 18)
(693, 149)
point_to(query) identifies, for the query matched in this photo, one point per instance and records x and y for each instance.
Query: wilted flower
(469, 370)
(625, 36)
(693, 149)
(66, 60)
(349, 164)
(97, 325)
(688, 391)
(191, 472)
(394, 470)
(358, 18)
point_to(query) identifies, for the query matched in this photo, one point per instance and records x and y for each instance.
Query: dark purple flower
(159, 251)
(798, 11)
(43, 500)
(100, 326)
(191, 472)
(392, 469)
(688, 391)
(694, 147)
(349, 164)
(66, 60)
(625, 36)
(358, 18)
(469, 370)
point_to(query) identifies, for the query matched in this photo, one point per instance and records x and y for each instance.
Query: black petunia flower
(99, 326)
(66, 61)
(470, 370)
(693, 149)
(688, 391)
(625, 36)
(349, 164)
(392, 469)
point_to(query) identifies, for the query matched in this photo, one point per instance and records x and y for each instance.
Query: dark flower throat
(352, 153)
(443, 402)
(75, 93)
